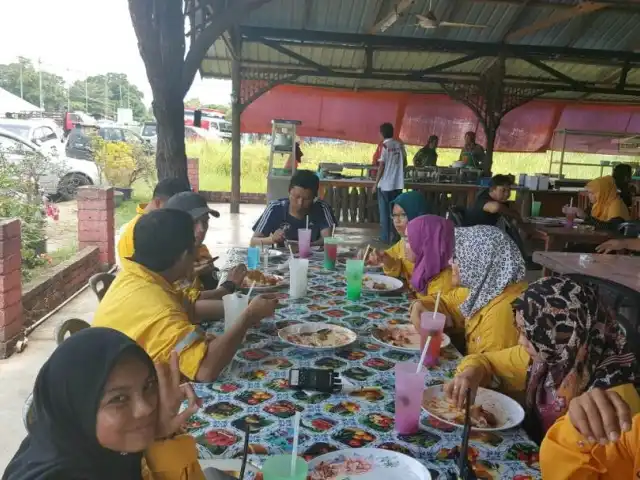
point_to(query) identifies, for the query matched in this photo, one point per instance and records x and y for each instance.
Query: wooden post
(236, 110)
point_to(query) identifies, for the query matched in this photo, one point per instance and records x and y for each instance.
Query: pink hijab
(432, 242)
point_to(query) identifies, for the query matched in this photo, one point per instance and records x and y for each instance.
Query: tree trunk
(171, 157)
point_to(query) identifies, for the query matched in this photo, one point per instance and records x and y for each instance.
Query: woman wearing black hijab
(102, 410)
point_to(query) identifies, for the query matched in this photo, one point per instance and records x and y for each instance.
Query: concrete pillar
(11, 316)
(96, 222)
(193, 173)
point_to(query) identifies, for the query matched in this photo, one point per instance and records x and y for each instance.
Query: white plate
(273, 253)
(446, 341)
(391, 283)
(314, 327)
(507, 411)
(246, 284)
(373, 464)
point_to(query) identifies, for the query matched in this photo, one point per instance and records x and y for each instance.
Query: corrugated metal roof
(604, 29)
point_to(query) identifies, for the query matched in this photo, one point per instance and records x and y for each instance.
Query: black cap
(192, 203)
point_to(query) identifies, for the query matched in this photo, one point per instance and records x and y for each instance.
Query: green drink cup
(330, 252)
(354, 273)
(278, 467)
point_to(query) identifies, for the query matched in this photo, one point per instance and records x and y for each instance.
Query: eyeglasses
(398, 216)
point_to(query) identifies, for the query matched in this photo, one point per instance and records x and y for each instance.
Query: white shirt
(393, 156)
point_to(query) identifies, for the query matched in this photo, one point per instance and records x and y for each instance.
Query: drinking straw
(294, 449)
(570, 202)
(251, 289)
(307, 222)
(366, 252)
(426, 344)
(290, 250)
(245, 450)
(333, 230)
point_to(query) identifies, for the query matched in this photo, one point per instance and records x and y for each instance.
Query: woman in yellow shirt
(608, 210)
(104, 411)
(491, 268)
(569, 344)
(405, 207)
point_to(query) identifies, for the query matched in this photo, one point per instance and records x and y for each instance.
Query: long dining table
(254, 390)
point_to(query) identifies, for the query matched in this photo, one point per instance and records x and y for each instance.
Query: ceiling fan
(430, 21)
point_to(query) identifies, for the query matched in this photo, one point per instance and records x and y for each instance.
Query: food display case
(283, 148)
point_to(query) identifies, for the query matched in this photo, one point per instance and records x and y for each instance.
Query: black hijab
(62, 443)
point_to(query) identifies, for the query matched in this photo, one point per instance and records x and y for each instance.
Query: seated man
(165, 189)
(282, 218)
(493, 203)
(143, 304)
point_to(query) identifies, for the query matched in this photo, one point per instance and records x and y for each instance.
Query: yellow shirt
(144, 306)
(175, 459)
(565, 455)
(491, 328)
(125, 244)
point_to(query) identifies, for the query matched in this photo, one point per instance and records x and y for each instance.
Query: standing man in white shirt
(389, 179)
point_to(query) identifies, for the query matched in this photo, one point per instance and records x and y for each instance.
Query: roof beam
(392, 17)
(296, 56)
(552, 71)
(632, 6)
(580, 9)
(386, 42)
(442, 66)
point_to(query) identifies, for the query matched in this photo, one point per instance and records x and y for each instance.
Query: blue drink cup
(253, 257)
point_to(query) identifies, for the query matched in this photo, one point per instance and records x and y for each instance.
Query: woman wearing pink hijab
(430, 245)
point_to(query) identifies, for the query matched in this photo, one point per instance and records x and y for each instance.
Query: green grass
(54, 258)
(127, 209)
(215, 162)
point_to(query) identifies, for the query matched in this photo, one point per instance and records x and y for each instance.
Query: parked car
(43, 132)
(149, 131)
(68, 174)
(79, 140)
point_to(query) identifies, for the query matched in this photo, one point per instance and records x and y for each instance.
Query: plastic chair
(100, 283)
(630, 229)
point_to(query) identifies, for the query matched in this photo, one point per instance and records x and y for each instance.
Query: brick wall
(225, 197)
(193, 173)
(11, 319)
(96, 222)
(41, 296)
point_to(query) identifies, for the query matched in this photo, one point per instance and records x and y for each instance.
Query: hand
(237, 274)
(203, 268)
(600, 415)
(415, 310)
(611, 246)
(374, 258)
(261, 307)
(456, 389)
(278, 236)
(388, 261)
(170, 397)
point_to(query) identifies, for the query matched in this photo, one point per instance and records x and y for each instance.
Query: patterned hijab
(489, 261)
(579, 343)
(432, 243)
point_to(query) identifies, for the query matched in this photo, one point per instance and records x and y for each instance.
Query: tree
(193, 103)
(54, 90)
(160, 29)
(89, 95)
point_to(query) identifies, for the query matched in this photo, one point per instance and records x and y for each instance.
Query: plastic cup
(304, 242)
(535, 208)
(234, 304)
(278, 467)
(409, 388)
(298, 269)
(253, 257)
(330, 253)
(433, 326)
(354, 273)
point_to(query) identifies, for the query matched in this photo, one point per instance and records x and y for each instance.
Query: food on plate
(373, 285)
(480, 417)
(261, 279)
(405, 336)
(340, 469)
(325, 337)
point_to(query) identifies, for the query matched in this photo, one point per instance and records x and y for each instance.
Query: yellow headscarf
(608, 204)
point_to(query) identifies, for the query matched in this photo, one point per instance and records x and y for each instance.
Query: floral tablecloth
(255, 389)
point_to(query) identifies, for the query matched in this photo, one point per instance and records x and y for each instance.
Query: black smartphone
(316, 379)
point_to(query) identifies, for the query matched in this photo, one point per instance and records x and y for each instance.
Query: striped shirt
(276, 216)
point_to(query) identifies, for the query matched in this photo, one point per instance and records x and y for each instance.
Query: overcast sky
(76, 38)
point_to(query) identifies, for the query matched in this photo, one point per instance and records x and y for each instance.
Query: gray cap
(192, 203)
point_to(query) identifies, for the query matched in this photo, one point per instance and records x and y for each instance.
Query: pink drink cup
(409, 389)
(431, 325)
(304, 242)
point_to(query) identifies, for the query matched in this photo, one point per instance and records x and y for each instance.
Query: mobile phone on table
(316, 379)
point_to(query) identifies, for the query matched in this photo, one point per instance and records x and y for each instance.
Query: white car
(73, 173)
(41, 131)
